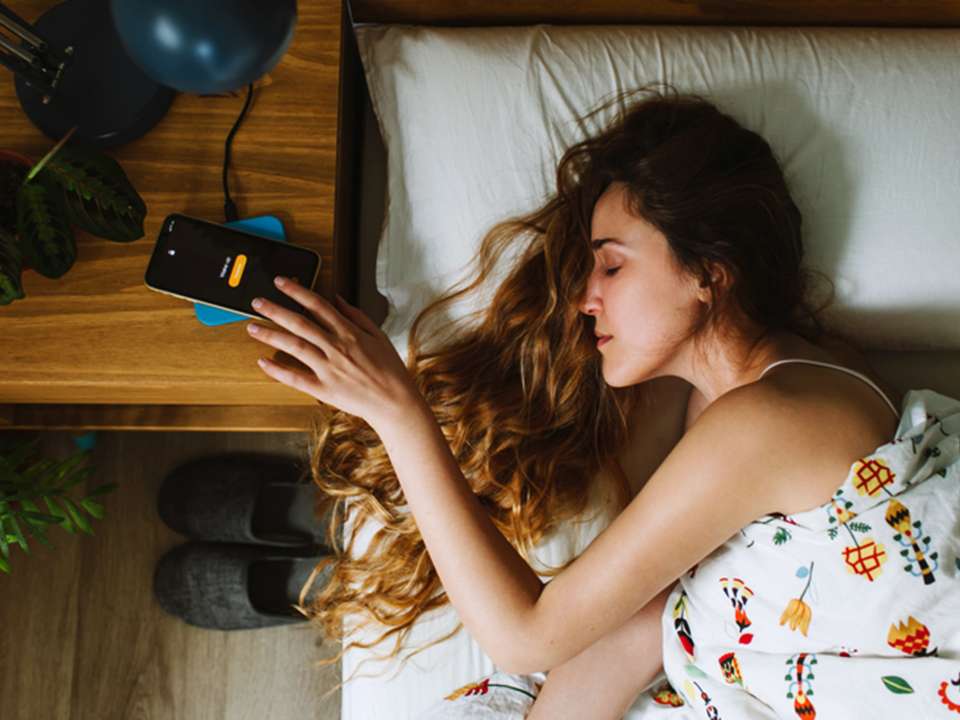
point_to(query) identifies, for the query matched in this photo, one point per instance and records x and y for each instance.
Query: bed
(456, 114)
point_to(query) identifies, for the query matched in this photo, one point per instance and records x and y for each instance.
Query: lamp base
(102, 91)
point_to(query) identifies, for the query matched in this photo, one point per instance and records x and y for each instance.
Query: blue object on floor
(268, 226)
(86, 441)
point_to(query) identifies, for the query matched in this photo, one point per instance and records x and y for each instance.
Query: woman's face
(636, 295)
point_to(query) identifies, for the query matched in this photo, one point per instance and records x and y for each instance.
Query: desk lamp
(112, 67)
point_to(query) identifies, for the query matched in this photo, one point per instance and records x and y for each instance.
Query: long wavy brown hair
(517, 386)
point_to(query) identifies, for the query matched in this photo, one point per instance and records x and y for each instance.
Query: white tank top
(837, 367)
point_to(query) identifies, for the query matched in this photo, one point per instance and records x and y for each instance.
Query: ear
(720, 278)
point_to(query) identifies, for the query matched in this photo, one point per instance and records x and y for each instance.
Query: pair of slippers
(255, 541)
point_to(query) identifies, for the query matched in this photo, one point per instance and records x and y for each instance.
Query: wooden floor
(82, 637)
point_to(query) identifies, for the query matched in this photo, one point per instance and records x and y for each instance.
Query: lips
(603, 339)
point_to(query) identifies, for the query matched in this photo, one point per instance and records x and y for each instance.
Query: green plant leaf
(11, 268)
(101, 489)
(65, 522)
(897, 685)
(46, 237)
(38, 533)
(92, 507)
(18, 534)
(35, 474)
(41, 517)
(35, 481)
(69, 474)
(98, 197)
(4, 565)
(44, 471)
(39, 165)
(63, 468)
(75, 515)
(29, 505)
(41, 482)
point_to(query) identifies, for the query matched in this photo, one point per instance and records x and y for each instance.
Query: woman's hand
(353, 364)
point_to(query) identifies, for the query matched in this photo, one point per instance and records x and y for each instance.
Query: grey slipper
(243, 497)
(224, 586)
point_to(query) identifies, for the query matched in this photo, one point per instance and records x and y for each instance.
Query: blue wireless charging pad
(267, 226)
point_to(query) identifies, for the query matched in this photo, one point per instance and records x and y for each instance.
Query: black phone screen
(217, 265)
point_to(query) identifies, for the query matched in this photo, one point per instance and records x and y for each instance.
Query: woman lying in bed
(795, 553)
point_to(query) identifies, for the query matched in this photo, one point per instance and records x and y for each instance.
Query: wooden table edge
(209, 418)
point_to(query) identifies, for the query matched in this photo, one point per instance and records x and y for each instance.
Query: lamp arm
(36, 62)
(18, 26)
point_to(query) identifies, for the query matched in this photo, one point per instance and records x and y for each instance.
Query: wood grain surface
(895, 13)
(84, 638)
(98, 336)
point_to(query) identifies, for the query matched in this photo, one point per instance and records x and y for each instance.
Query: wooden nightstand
(96, 349)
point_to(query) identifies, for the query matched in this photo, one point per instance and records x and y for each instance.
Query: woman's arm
(731, 467)
(488, 582)
(603, 681)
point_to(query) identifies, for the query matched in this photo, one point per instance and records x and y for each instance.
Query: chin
(617, 380)
(621, 376)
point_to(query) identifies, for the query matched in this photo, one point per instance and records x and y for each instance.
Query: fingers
(314, 303)
(362, 320)
(305, 341)
(295, 346)
(332, 314)
(298, 380)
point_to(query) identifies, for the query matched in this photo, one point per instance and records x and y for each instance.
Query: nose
(590, 304)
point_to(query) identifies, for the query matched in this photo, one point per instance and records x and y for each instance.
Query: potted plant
(27, 480)
(73, 185)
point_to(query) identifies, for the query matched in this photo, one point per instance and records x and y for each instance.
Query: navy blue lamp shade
(128, 59)
(205, 46)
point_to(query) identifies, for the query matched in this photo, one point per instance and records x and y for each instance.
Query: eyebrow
(599, 242)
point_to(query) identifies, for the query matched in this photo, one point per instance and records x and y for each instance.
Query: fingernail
(280, 280)
(257, 302)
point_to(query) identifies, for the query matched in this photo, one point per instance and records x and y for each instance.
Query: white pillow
(864, 121)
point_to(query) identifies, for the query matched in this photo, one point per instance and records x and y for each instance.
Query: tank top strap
(863, 377)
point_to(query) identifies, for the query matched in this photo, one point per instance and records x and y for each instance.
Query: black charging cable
(229, 208)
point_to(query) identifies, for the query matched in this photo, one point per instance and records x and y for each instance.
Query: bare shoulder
(814, 430)
(763, 407)
(748, 440)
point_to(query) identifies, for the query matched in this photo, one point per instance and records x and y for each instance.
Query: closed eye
(610, 271)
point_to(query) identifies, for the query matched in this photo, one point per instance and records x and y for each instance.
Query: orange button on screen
(237, 272)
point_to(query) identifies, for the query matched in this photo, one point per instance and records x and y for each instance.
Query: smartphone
(205, 262)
